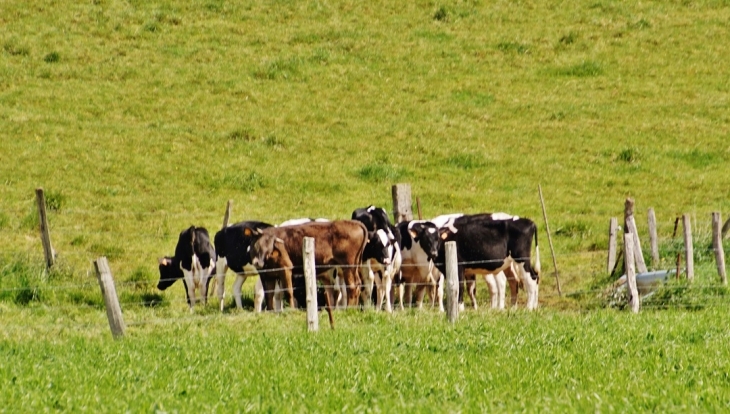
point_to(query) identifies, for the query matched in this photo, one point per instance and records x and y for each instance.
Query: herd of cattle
(361, 260)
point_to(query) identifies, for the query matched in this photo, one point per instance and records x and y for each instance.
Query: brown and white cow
(277, 253)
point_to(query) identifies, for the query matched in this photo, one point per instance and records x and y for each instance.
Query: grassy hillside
(141, 118)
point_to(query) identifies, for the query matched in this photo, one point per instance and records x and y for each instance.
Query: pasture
(140, 119)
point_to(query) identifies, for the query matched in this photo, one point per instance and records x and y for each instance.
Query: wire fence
(136, 294)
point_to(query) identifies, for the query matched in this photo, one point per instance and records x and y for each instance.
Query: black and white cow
(194, 262)
(232, 245)
(420, 247)
(382, 255)
(494, 243)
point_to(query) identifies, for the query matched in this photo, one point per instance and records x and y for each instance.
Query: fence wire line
(91, 278)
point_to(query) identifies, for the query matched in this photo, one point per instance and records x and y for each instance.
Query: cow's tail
(537, 255)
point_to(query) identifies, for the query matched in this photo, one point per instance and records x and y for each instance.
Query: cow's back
(334, 241)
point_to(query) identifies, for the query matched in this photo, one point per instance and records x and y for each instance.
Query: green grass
(140, 119)
(542, 361)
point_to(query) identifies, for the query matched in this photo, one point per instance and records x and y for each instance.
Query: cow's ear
(413, 234)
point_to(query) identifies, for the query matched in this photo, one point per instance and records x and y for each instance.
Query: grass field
(140, 119)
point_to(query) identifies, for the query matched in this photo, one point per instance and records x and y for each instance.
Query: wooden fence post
(113, 310)
(48, 251)
(688, 248)
(452, 283)
(227, 216)
(630, 227)
(717, 247)
(653, 241)
(612, 230)
(402, 210)
(630, 272)
(550, 241)
(310, 279)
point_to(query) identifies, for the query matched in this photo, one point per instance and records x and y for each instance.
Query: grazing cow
(420, 246)
(194, 262)
(233, 245)
(277, 251)
(493, 243)
(382, 255)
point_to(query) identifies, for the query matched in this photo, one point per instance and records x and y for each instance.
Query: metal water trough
(648, 282)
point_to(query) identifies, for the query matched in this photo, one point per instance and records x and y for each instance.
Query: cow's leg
(492, 285)
(205, 277)
(407, 296)
(220, 279)
(190, 287)
(258, 296)
(461, 288)
(529, 285)
(340, 297)
(440, 292)
(471, 285)
(269, 288)
(328, 282)
(237, 285)
(368, 281)
(501, 281)
(384, 292)
(420, 293)
(285, 282)
(513, 284)
(352, 281)
(278, 298)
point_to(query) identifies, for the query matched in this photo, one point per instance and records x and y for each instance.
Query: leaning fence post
(630, 272)
(688, 248)
(452, 283)
(630, 227)
(717, 247)
(550, 241)
(310, 279)
(402, 210)
(653, 241)
(113, 310)
(612, 230)
(48, 252)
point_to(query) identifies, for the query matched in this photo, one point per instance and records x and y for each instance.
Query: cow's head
(426, 234)
(266, 248)
(170, 272)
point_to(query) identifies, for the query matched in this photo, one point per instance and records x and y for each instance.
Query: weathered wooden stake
(717, 247)
(418, 204)
(550, 240)
(113, 310)
(227, 216)
(48, 251)
(452, 283)
(629, 260)
(688, 248)
(612, 230)
(630, 227)
(310, 279)
(725, 228)
(653, 241)
(402, 210)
